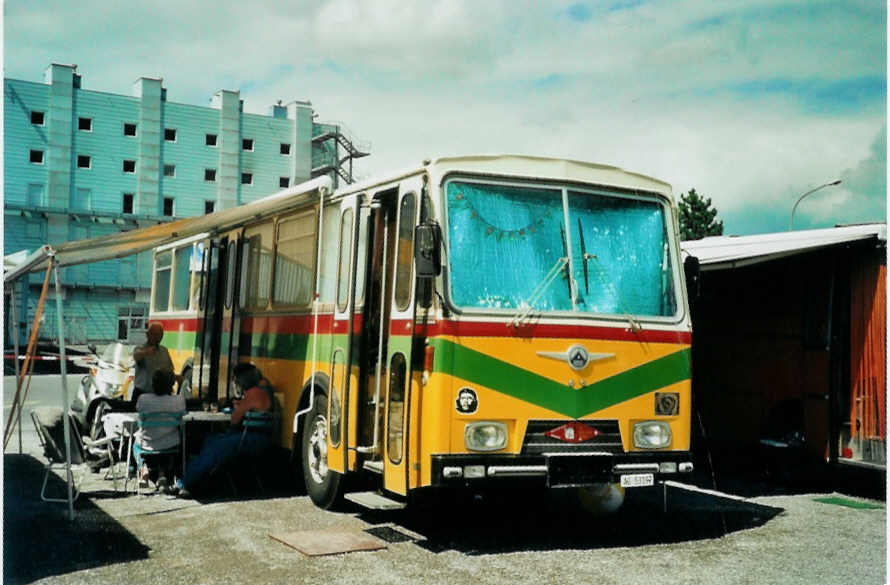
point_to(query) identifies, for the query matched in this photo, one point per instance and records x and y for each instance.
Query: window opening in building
(129, 129)
(37, 118)
(246, 178)
(127, 205)
(247, 144)
(170, 134)
(85, 124)
(82, 199)
(283, 182)
(83, 161)
(209, 174)
(168, 206)
(210, 139)
(37, 157)
(209, 204)
(169, 170)
(34, 195)
(129, 166)
(285, 148)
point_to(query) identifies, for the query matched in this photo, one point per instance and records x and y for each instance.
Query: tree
(698, 218)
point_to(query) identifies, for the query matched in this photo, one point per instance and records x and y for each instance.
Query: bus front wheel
(322, 483)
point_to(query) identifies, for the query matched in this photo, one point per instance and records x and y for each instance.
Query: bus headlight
(485, 436)
(652, 434)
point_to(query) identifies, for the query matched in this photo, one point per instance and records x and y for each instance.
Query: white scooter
(108, 386)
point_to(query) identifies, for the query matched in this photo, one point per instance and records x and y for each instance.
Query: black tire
(97, 431)
(185, 387)
(322, 484)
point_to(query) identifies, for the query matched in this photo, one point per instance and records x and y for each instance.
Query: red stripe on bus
(544, 331)
(305, 324)
(172, 325)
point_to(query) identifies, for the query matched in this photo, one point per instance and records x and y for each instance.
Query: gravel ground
(526, 537)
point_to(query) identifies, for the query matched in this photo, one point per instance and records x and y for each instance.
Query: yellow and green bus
(471, 322)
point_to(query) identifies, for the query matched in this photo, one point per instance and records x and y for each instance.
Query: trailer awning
(122, 244)
(722, 252)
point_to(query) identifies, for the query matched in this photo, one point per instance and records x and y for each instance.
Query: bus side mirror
(692, 271)
(428, 250)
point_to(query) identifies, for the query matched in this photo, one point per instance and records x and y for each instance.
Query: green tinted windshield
(509, 249)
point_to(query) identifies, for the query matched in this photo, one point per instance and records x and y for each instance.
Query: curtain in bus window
(295, 260)
(621, 261)
(196, 264)
(507, 245)
(163, 263)
(181, 278)
(259, 269)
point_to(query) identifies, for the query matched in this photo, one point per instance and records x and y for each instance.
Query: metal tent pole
(15, 358)
(63, 366)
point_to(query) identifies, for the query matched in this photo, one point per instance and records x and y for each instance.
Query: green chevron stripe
(482, 369)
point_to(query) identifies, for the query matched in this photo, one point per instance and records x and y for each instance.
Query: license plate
(637, 480)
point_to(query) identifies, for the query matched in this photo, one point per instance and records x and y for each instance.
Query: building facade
(81, 164)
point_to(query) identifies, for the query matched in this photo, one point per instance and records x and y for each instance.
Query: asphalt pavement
(771, 535)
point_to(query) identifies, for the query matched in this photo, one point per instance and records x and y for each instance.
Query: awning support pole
(28, 366)
(15, 344)
(63, 366)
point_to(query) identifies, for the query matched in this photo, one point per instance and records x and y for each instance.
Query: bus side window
(343, 271)
(405, 252)
(259, 264)
(181, 278)
(163, 272)
(295, 260)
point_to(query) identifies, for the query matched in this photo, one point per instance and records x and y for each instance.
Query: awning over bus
(721, 252)
(122, 244)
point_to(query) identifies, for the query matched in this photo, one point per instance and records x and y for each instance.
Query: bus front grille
(608, 438)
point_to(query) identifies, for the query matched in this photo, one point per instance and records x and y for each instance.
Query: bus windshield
(509, 249)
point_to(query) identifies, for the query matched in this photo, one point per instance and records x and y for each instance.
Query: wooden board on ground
(329, 542)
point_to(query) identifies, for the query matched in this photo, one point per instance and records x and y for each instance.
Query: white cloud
(750, 103)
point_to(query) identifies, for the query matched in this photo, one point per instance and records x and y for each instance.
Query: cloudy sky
(752, 103)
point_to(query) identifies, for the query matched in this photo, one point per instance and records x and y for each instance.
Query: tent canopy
(721, 252)
(122, 244)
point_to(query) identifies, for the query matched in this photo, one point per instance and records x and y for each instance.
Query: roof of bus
(525, 166)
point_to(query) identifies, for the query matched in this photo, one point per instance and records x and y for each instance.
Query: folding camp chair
(253, 422)
(50, 431)
(153, 420)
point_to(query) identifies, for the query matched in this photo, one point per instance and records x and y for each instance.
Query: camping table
(198, 416)
(121, 425)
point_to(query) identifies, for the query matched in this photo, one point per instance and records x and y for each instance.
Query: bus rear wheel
(322, 483)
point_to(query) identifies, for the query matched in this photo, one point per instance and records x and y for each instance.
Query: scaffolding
(334, 150)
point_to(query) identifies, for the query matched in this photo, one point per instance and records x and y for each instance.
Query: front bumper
(558, 470)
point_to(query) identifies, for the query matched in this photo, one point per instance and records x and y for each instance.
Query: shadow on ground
(538, 520)
(38, 539)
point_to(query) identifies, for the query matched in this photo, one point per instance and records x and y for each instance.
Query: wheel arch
(322, 385)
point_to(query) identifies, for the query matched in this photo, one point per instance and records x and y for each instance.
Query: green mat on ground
(849, 503)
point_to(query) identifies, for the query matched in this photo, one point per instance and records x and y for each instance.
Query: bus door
(230, 315)
(399, 394)
(374, 337)
(211, 295)
(343, 395)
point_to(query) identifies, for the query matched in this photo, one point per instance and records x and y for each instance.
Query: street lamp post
(810, 192)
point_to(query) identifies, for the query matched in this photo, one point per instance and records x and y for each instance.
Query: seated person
(218, 449)
(161, 399)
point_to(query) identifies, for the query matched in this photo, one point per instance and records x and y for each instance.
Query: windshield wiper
(633, 324)
(584, 257)
(527, 306)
